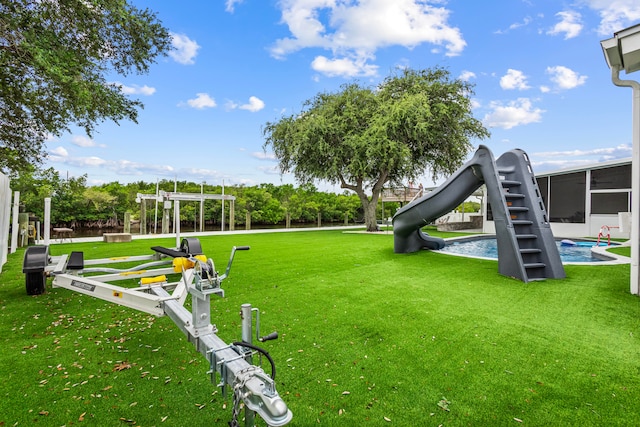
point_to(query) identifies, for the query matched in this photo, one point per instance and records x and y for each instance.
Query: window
(567, 201)
(609, 203)
(617, 177)
(543, 185)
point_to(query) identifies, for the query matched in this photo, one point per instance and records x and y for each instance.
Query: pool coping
(608, 258)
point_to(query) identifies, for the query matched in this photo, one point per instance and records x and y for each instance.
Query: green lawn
(367, 337)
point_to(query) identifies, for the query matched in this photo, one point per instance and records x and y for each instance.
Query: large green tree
(54, 59)
(364, 137)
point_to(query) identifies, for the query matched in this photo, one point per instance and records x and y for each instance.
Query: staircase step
(535, 265)
(526, 236)
(521, 222)
(506, 169)
(510, 183)
(518, 208)
(530, 251)
(514, 196)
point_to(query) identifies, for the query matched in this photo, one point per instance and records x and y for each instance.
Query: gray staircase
(526, 247)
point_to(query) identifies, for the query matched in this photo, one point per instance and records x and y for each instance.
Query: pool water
(488, 248)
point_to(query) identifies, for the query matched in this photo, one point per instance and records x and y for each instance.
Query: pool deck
(601, 251)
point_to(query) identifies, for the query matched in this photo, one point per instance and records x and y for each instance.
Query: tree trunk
(370, 216)
(369, 206)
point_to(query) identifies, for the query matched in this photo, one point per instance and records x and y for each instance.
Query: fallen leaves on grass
(121, 366)
(444, 404)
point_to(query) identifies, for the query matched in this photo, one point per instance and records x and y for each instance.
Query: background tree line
(75, 204)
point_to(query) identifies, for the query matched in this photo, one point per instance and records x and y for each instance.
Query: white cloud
(184, 49)
(125, 167)
(59, 151)
(272, 170)
(514, 79)
(569, 24)
(353, 31)
(201, 101)
(620, 151)
(121, 167)
(135, 89)
(230, 105)
(615, 14)
(565, 78)
(261, 155)
(467, 75)
(515, 113)
(255, 104)
(84, 141)
(526, 21)
(554, 160)
(231, 5)
(554, 165)
(82, 162)
(343, 67)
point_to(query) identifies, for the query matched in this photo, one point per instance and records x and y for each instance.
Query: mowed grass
(367, 337)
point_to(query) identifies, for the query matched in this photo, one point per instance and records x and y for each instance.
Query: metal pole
(222, 224)
(202, 206)
(635, 177)
(247, 328)
(14, 223)
(155, 216)
(247, 336)
(635, 193)
(47, 220)
(176, 221)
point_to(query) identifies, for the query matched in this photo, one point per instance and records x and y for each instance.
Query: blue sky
(541, 81)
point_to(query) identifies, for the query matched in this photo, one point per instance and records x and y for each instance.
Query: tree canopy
(363, 137)
(54, 59)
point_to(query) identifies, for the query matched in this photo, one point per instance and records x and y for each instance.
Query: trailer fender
(36, 259)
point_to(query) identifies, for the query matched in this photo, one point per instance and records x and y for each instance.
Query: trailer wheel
(35, 283)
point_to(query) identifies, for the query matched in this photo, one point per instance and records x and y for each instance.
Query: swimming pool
(487, 247)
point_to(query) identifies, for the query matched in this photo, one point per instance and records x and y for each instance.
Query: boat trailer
(231, 363)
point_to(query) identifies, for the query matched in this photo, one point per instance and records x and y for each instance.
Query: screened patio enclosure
(581, 201)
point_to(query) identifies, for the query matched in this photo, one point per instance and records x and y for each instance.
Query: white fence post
(47, 220)
(5, 217)
(14, 224)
